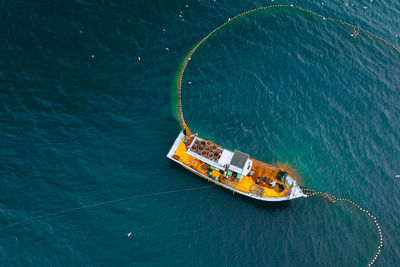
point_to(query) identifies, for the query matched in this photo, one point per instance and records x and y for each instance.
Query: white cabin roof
(225, 158)
(237, 161)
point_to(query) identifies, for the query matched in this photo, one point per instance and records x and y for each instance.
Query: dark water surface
(83, 121)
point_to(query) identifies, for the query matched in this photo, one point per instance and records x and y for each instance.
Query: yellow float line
(333, 199)
(182, 67)
(178, 87)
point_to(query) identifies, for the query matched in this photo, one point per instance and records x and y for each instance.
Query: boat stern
(174, 147)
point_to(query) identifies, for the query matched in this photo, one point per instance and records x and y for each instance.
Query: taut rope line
(103, 203)
(309, 192)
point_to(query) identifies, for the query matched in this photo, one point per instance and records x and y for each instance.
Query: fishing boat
(233, 170)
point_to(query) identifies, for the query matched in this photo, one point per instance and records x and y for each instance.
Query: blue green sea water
(86, 116)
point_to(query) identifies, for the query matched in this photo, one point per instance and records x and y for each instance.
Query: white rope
(103, 203)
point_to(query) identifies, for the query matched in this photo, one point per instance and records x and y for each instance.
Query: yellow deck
(260, 169)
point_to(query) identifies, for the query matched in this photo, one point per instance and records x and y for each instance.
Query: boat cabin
(236, 164)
